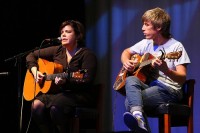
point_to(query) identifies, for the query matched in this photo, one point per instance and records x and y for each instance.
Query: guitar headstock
(173, 55)
(79, 74)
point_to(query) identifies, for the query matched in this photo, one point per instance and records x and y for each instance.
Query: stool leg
(190, 125)
(164, 124)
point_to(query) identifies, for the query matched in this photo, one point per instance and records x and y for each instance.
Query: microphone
(4, 73)
(53, 40)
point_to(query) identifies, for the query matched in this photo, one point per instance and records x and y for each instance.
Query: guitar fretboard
(53, 76)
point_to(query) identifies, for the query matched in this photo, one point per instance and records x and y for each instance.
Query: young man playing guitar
(168, 76)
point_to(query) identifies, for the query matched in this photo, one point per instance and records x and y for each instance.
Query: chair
(175, 115)
(88, 118)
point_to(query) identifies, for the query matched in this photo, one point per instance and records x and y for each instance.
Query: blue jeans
(139, 95)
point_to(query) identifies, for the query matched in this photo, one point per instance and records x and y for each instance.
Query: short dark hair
(78, 29)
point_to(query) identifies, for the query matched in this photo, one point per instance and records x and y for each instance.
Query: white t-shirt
(172, 45)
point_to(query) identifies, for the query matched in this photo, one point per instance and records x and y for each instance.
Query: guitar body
(31, 88)
(141, 72)
(146, 72)
(120, 80)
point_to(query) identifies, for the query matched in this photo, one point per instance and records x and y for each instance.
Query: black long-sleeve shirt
(84, 59)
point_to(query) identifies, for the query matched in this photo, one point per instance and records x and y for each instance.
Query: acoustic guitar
(143, 70)
(50, 70)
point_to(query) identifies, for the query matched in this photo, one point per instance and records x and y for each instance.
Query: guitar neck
(148, 61)
(172, 55)
(53, 76)
(78, 74)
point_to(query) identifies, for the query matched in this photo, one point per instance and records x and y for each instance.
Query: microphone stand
(18, 59)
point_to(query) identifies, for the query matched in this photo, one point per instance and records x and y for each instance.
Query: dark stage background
(111, 26)
(24, 24)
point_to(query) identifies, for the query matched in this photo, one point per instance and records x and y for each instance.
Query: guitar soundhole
(45, 76)
(41, 84)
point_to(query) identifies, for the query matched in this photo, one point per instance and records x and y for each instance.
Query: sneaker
(135, 122)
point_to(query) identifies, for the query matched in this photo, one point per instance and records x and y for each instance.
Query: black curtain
(24, 24)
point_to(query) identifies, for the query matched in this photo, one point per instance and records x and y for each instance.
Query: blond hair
(159, 19)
